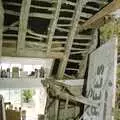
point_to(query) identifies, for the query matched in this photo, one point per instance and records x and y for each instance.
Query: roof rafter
(1, 25)
(111, 7)
(71, 36)
(23, 25)
(53, 25)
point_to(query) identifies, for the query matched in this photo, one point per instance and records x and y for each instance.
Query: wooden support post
(66, 108)
(1, 25)
(71, 36)
(56, 108)
(23, 26)
(53, 25)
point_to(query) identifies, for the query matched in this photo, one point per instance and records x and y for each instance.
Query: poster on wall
(101, 81)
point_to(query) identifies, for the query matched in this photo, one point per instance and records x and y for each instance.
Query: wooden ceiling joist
(111, 7)
(53, 25)
(23, 25)
(1, 25)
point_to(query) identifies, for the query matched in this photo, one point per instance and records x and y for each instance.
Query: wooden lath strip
(74, 61)
(47, 1)
(10, 28)
(69, 3)
(63, 25)
(59, 42)
(72, 69)
(36, 34)
(78, 52)
(62, 29)
(32, 6)
(1, 25)
(53, 25)
(23, 25)
(102, 2)
(91, 8)
(41, 15)
(35, 15)
(71, 36)
(12, 4)
(44, 8)
(82, 44)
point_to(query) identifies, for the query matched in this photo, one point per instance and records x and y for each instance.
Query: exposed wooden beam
(71, 36)
(23, 25)
(1, 25)
(111, 7)
(53, 25)
(29, 52)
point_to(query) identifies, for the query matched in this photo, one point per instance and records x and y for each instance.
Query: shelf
(32, 82)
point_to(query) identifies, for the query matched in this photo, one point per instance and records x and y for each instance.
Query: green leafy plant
(27, 95)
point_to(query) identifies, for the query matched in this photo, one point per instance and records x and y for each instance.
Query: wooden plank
(23, 25)
(1, 25)
(104, 12)
(53, 25)
(71, 36)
